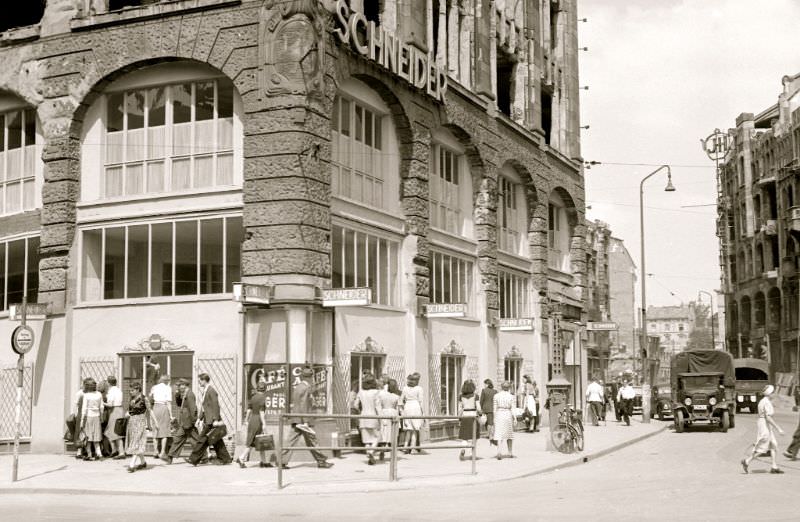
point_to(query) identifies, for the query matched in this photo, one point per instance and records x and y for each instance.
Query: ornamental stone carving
(155, 343)
(369, 345)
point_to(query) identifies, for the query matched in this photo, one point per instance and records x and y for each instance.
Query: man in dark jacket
(187, 417)
(210, 417)
(301, 403)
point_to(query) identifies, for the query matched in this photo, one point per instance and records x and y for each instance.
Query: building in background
(673, 325)
(622, 304)
(417, 159)
(598, 298)
(759, 231)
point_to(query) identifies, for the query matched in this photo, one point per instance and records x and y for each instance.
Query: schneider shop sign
(387, 50)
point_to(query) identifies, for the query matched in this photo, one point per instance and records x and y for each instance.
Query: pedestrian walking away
(469, 409)
(90, 420)
(389, 401)
(765, 432)
(185, 430)
(255, 424)
(411, 400)
(301, 402)
(211, 418)
(368, 403)
(794, 446)
(625, 397)
(113, 404)
(527, 402)
(504, 420)
(594, 395)
(161, 398)
(487, 407)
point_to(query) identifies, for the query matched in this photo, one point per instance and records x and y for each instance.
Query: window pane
(156, 103)
(16, 271)
(211, 256)
(137, 261)
(182, 103)
(134, 179)
(92, 265)
(134, 106)
(14, 121)
(349, 259)
(233, 250)
(114, 284)
(114, 112)
(204, 101)
(224, 98)
(30, 127)
(33, 269)
(345, 130)
(3, 304)
(181, 174)
(161, 259)
(186, 258)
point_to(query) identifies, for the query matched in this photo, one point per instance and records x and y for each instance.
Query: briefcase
(264, 443)
(121, 426)
(216, 434)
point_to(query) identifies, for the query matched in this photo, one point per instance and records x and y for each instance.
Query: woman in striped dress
(503, 419)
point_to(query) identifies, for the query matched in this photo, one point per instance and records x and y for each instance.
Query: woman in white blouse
(114, 405)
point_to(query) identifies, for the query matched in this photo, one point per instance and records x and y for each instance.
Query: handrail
(393, 446)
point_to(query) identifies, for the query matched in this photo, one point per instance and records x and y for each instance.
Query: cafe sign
(387, 50)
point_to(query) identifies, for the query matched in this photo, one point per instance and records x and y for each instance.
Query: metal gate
(8, 401)
(98, 368)
(222, 370)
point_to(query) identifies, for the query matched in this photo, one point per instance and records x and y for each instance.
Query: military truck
(751, 377)
(702, 384)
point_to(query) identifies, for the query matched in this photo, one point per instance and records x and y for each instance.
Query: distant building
(622, 306)
(598, 297)
(672, 325)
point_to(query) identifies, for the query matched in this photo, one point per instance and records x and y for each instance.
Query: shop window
(511, 218)
(451, 279)
(17, 161)
(452, 367)
(147, 369)
(362, 364)
(512, 371)
(360, 259)
(187, 257)
(446, 193)
(359, 160)
(514, 294)
(168, 139)
(19, 271)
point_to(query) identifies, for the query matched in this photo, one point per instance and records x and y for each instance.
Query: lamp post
(643, 329)
(711, 319)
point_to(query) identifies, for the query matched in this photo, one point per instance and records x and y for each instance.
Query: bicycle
(568, 435)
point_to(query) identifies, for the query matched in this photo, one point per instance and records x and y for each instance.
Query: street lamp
(711, 300)
(643, 343)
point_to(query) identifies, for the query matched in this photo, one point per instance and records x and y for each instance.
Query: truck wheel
(726, 422)
(738, 409)
(679, 421)
(733, 421)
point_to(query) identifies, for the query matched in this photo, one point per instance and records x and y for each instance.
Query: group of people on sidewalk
(620, 396)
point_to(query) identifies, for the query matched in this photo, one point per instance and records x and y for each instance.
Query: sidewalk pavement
(65, 474)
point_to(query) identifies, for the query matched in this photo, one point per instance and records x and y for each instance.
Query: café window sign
(387, 50)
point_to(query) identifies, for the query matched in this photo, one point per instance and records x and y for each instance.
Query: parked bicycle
(567, 436)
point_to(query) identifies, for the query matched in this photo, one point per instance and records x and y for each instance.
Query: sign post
(21, 342)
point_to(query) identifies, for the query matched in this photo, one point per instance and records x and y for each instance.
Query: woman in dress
(389, 399)
(411, 402)
(487, 407)
(468, 409)
(162, 415)
(256, 422)
(765, 436)
(135, 438)
(114, 406)
(527, 402)
(504, 420)
(90, 421)
(368, 403)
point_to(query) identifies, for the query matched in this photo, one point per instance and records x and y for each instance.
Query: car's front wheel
(679, 421)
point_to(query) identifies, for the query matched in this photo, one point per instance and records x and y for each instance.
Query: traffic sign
(22, 339)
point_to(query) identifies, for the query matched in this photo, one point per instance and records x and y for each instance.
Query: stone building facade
(156, 153)
(759, 231)
(622, 289)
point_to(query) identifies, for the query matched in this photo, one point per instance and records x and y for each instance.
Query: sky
(662, 75)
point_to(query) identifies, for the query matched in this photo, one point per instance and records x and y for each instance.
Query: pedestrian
(185, 429)
(256, 423)
(383, 381)
(368, 403)
(76, 427)
(468, 410)
(487, 407)
(538, 410)
(596, 399)
(301, 403)
(90, 420)
(503, 403)
(527, 402)
(135, 438)
(210, 417)
(389, 400)
(411, 399)
(791, 451)
(765, 436)
(161, 395)
(625, 397)
(612, 391)
(113, 405)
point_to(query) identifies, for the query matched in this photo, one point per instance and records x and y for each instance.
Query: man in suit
(210, 417)
(301, 403)
(187, 416)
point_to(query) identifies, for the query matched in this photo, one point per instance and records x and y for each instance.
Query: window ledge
(154, 300)
(388, 308)
(559, 275)
(467, 319)
(515, 261)
(106, 202)
(361, 213)
(139, 13)
(448, 240)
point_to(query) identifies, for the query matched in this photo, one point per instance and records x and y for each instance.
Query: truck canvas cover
(702, 361)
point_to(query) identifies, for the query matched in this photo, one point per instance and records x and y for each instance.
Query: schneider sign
(386, 49)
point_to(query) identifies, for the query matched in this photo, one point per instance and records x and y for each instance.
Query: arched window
(165, 129)
(512, 214)
(450, 186)
(20, 164)
(559, 234)
(364, 149)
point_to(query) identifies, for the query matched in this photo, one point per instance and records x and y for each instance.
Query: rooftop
(668, 312)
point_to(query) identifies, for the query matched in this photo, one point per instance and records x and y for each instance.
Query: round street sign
(22, 339)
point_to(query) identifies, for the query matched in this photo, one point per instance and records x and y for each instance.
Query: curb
(136, 493)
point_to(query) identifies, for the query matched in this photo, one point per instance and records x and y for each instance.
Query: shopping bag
(121, 426)
(264, 442)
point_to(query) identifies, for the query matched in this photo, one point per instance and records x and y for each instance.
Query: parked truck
(703, 387)
(751, 377)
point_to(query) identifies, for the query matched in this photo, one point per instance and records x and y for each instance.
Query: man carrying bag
(213, 429)
(187, 417)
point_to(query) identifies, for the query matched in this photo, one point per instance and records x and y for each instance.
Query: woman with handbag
(90, 419)
(469, 409)
(504, 419)
(135, 437)
(113, 405)
(256, 422)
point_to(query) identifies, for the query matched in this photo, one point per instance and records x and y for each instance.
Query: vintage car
(751, 377)
(637, 400)
(661, 401)
(702, 389)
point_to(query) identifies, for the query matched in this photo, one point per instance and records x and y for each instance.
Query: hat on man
(184, 382)
(307, 371)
